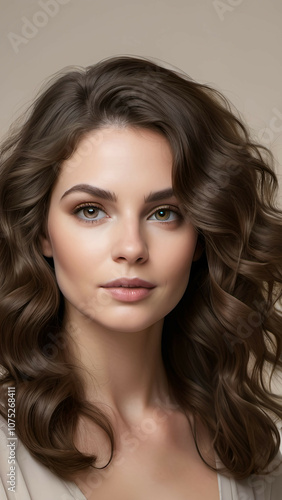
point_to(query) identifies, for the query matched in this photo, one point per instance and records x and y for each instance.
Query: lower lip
(129, 294)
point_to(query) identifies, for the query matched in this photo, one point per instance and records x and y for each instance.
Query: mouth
(129, 290)
(129, 283)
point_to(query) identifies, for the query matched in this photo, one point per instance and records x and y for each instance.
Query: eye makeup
(166, 213)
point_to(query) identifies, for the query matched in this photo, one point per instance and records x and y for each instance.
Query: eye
(165, 214)
(89, 213)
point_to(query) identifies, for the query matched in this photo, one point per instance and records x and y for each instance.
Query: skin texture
(117, 343)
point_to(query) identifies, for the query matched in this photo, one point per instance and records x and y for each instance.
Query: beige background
(234, 45)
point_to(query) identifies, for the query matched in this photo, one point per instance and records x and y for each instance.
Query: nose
(129, 244)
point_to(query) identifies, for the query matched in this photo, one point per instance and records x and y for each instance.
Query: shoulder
(29, 480)
(256, 487)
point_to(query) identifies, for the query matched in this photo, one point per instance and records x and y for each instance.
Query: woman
(141, 272)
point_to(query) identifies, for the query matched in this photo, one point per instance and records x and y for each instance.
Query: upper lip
(129, 282)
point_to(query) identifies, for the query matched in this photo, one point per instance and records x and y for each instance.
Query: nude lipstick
(129, 290)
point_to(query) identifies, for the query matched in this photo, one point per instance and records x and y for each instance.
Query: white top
(36, 482)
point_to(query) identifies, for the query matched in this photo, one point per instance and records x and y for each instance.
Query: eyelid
(166, 207)
(92, 204)
(88, 204)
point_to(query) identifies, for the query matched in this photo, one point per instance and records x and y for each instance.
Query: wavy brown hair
(225, 332)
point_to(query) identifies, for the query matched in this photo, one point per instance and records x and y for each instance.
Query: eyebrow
(159, 195)
(93, 190)
(110, 196)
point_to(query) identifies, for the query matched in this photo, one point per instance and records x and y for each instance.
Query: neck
(122, 370)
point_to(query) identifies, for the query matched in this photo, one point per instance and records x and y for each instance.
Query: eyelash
(95, 206)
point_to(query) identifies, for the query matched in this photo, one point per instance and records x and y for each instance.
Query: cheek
(68, 260)
(177, 264)
(179, 260)
(71, 248)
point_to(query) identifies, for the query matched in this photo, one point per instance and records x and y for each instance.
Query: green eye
(89, 213)
(164, 215)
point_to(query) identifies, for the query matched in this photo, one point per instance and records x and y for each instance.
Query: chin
(131, 326)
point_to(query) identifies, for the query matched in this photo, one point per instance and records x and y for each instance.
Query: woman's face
(121, 248)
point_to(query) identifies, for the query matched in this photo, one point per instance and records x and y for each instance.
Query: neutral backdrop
(234, 45)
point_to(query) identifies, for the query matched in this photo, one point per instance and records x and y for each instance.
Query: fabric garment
(36, 482)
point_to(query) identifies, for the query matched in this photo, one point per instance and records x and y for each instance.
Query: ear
(198, 251)
(46, 246)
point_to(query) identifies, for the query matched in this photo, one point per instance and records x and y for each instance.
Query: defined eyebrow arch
(159, 195)
(93, 190)
(110, 196)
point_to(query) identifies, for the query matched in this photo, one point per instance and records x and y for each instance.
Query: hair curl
(227, 328)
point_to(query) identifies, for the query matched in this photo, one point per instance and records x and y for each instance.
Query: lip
(128, 283)
(129, 289)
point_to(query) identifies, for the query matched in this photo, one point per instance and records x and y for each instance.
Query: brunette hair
(226, 331)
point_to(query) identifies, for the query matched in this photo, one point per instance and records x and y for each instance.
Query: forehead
(119, 158)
